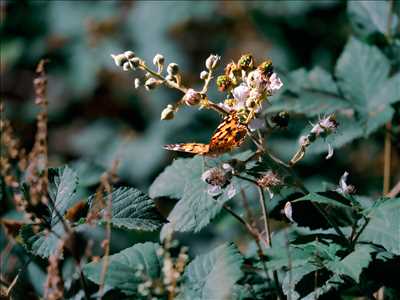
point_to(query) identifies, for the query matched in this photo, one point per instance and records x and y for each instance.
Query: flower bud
(150, 83)
(212, 61)
(223, 83)
(170, 77)
(127, 66)
(137, 83)
(192, 97)
(119, 59)
(168, 113)
(173, 69)
(203, 75)
(135, 62)
(246, 62)
(158, 60)
(129, 54)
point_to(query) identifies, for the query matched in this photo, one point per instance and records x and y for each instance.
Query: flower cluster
(270, 181)
(248, 86)
(219, 181)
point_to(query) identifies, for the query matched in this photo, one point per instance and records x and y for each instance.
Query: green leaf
(62, 184)
(362, 73)
(124, 266)
(352, 264)
(361, 70)
(369, 17)
(196, 208)
(384, 227)
(133, 209)
(316, 93)
(213, 275)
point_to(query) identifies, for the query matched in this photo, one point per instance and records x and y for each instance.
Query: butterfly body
(228, 135)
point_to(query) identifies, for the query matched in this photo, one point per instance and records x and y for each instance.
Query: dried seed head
(168, 113)
(212, 61)
(270, 180)
(192, 97)
(215, 176)
(173, 69)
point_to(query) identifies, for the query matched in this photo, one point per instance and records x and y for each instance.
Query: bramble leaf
(133, 209)
(123, 267)
(212, 275)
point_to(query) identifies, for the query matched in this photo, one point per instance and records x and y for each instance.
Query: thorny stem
(395, 191)
(267, 228)
(107, 179)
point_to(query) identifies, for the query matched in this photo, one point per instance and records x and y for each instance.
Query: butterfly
(228, 135)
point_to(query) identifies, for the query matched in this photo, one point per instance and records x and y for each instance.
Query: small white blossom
(275, 83)
(241, 93)
(345, 188)
(256, 123)
(288, 211)
(330, 152)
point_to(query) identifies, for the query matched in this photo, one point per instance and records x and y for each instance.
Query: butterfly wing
(194, 148)
(228, 135)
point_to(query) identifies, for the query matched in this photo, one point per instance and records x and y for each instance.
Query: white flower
(325, 125)
(330, 152)
(256, 123)
(345, 188)
(219, 179)
(241, 93)
(275, 83)
(288, 211)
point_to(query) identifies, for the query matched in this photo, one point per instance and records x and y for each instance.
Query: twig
(395, 191)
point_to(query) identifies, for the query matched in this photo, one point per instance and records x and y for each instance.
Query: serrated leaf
(384, 227)
(123, 267)
(316, 93)
(196, 207)
(369, 17)
(133, 209)
(212, 275)
(62, 184)
(361, 70)
(353, 264)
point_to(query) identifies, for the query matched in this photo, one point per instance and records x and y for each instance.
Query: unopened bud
(192, 97)
(212, 61)
(137, 83)
(150, 83)
(158, 60)
(168, 113)
(127, 66)
(135, 62)
(203, 75)
(119, 59)
(129, 54)
(173, 69)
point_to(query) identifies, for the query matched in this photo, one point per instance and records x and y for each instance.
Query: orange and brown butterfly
(228, 135)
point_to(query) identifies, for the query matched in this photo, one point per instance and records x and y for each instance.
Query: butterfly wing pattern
(228, 135)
